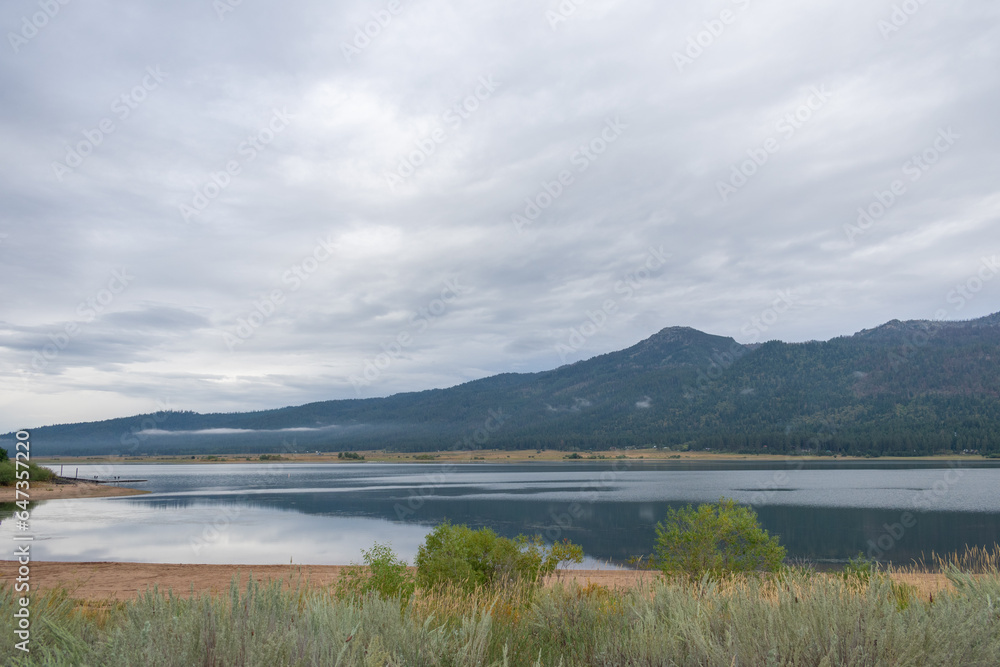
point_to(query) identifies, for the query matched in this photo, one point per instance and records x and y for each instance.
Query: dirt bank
(67, 489)
(124, 581)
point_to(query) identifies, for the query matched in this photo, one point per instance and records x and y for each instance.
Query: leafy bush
(350, 455)
(3, 455)
(472, 558)
(715, 539)
(383, 574)
(859, 569)
(36, 473)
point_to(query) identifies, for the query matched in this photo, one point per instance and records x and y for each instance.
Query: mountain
(903, 388)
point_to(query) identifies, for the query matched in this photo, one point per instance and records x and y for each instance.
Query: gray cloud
(302, 238)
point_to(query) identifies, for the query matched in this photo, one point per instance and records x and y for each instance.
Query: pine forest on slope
(903, 388)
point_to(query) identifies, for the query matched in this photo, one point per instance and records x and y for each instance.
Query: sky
(230, 205)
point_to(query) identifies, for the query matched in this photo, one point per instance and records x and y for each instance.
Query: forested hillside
(904, 388)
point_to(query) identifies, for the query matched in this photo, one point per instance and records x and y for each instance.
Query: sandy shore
(124, 581)
(67, 489)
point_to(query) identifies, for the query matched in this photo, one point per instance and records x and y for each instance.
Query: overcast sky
(225, 206)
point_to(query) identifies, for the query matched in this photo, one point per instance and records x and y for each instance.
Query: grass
(795, 617)
(36, 473)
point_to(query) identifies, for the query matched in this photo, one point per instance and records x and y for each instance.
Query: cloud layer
(230, 206)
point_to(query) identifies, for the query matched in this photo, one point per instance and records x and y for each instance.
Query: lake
(257, 513)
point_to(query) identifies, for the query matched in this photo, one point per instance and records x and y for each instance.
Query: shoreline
(114, 581)
(67, 489)
(489, 456)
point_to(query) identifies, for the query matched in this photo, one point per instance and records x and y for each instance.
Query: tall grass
(792, 618)
(36, 473)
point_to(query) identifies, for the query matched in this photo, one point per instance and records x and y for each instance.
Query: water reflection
(329, 513)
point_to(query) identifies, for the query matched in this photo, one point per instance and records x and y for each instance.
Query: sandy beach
(125, 581)
(67, 489)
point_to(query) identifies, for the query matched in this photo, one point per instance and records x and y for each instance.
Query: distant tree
(717, 539)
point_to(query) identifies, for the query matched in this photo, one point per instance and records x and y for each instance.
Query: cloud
(232, 431)
(284, 147)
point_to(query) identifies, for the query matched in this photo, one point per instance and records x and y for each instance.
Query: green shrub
(715, 539)
(383, 574)
(472, 558)
(36, 473)
(859, 569)
(3, 455)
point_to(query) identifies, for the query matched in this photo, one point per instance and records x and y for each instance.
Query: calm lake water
(327, 513)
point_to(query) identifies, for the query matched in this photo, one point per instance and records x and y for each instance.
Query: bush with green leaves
(9, 472)
(383, 574)
(715, 539)
(458, 555)
(860, 569)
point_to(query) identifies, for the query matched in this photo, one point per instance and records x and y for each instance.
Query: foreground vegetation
(794, 618)
(477, 598)
(10, 472)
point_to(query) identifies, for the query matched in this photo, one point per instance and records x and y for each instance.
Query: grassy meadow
(794, 617)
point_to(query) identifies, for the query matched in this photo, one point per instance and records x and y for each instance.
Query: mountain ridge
(903, 387)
